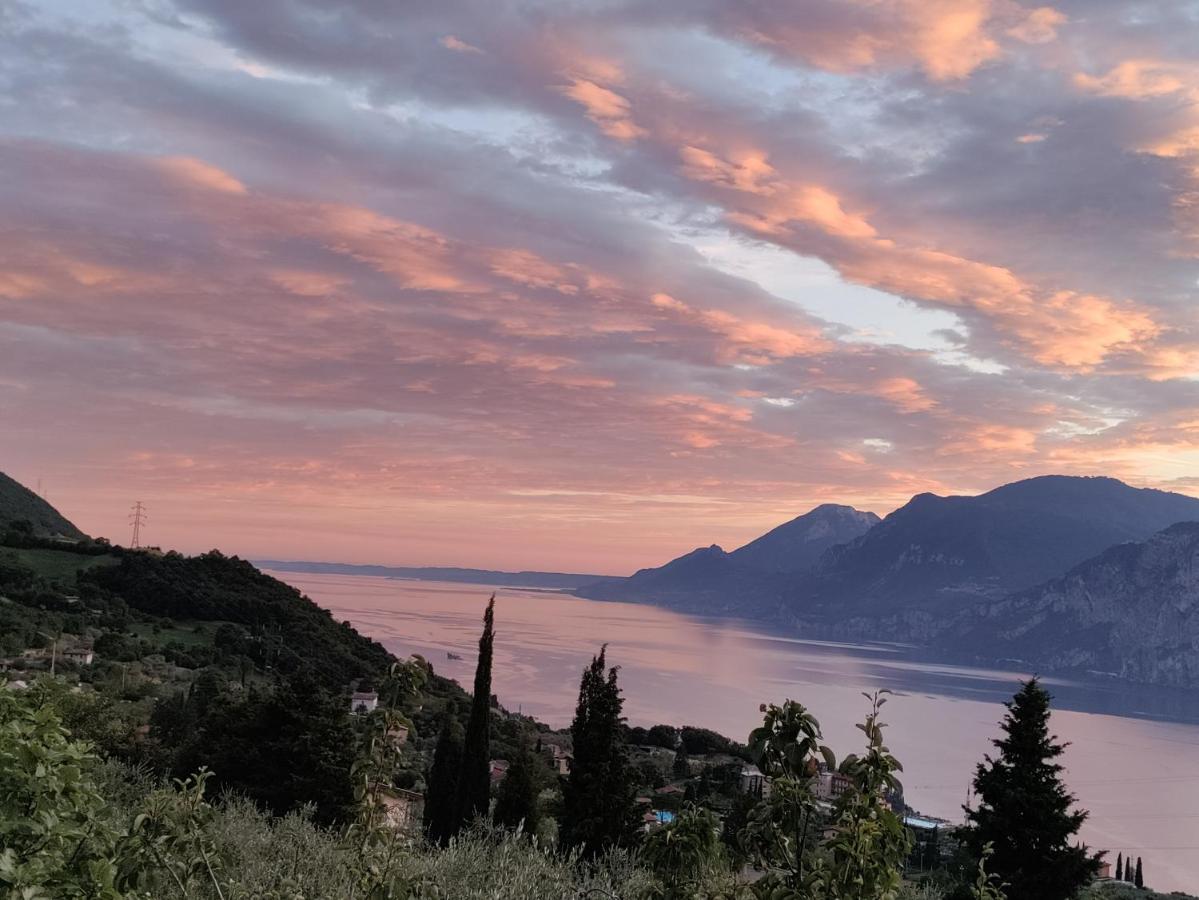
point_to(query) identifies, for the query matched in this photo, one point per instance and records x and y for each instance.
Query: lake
(1133, 759)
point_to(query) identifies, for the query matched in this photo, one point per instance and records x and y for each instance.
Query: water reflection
(1132, 754)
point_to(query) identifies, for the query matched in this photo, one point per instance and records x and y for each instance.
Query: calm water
(1133, 759)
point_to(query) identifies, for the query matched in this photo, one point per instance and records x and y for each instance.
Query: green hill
(18, 503)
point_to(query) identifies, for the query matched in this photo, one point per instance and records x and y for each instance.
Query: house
(752, 780)
(656, 818)
(363, 702)
(499, 768)
(36, 653)
(671, 789)
(558, 757)
(81, 656)
(397, 736)
(830, 785)
(401, 808)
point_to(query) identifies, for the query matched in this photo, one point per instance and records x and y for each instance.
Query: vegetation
(1025, 814)
(442, 792)
(516, 802)
(472, 797)
(597, 796)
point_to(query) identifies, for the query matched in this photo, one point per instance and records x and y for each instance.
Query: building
(81, 656)
(401, 808)
(498, 769)
(363, 702)
(830, 785)
(752, 780)
(558, 757)
(397, 736)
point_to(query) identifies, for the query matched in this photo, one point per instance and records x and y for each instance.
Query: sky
(582, 284)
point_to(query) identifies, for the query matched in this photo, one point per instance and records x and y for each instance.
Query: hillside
(1132, 611)
(18, 503)
(290, 631)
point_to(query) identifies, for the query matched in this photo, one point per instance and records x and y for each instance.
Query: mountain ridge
(1132, 612)
(18, 503)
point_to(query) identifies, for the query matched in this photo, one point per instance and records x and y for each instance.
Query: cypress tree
(1119, 867)
(599, 793)
(516, 800)
(1024, 810)
(441, 792)
(1139, 878)
(682, 766)
(1128, 870)
(474, 780)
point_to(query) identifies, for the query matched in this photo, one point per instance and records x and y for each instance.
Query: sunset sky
(581, 285)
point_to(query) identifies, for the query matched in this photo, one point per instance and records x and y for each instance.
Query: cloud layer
(583, 285)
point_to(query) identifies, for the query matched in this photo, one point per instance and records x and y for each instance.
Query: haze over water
(1132, 759)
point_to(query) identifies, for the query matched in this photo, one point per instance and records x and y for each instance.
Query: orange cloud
(197, 173)
(758, 343)
(450, 42)
(606, 108)
(906, 394)
(947, 39)
(1138, 79)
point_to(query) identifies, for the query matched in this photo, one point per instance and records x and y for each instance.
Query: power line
(138, 517)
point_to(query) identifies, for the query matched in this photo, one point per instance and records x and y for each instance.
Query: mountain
(712, 581)
(795, 546)
(1132, 611)
(18, 503)
(562, 581)
(938, 553)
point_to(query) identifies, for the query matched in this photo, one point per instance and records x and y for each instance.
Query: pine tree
(516, 800)
(1024, 810)
(441, 792)
(1119, 867)
(474, 780)
(1139, 878)
(598, 795)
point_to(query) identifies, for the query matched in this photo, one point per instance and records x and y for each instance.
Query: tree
(1139, 878)
(474, 782)
(665, 736)
(868, 842)
(516, 800)
(54, 840)
(442, 781)
(1024, 810)
(682, 853)
(1119, 867)
(598, 795)
(682, 765)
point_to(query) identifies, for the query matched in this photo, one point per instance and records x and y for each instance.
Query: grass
(186, 633)
(58, 565)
